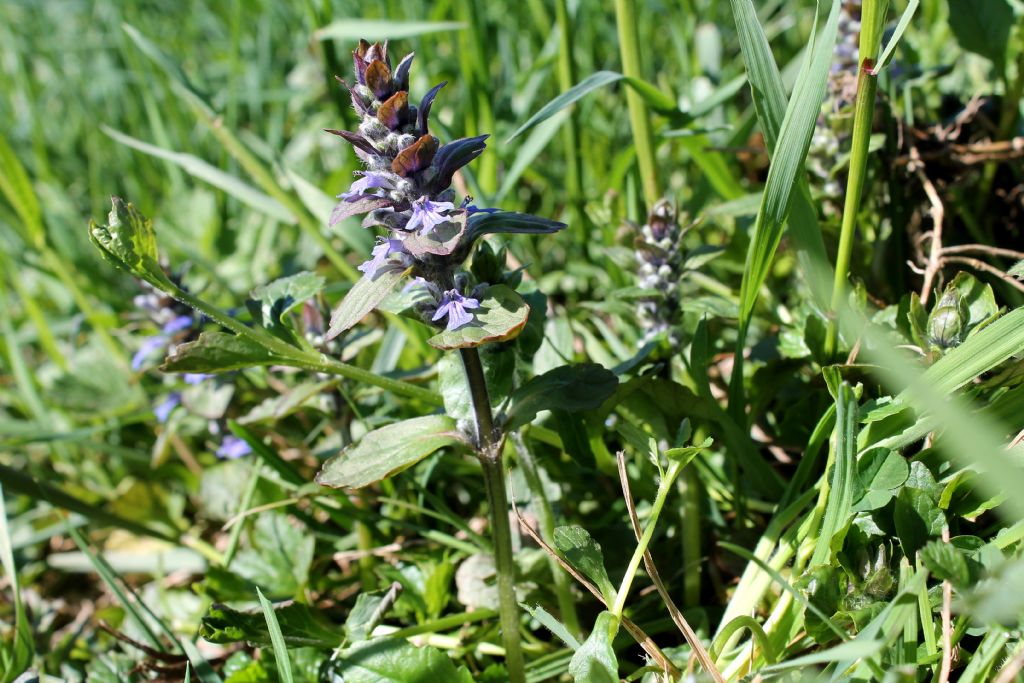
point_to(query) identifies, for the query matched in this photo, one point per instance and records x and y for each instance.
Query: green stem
(625, 18)
(546, 520)
(489, 453)
(638, 555)
(298, 358)
(864, 113)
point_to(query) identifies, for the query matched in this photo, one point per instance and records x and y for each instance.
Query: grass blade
(23, 648)
(372, 29)
(840, 488)
(284, 665)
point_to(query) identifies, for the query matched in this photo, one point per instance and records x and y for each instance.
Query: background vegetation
(858, 509)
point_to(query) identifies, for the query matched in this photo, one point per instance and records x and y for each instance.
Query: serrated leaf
(129, 242)
(584, 553)
(301, 625)
(364, 297)
(389, 450)
(284, 295)
(687, 453)
(501, 316)
(216, 352)
(571, 388)
(595, 661)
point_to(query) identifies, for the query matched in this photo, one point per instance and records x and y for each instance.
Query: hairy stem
(489, 452)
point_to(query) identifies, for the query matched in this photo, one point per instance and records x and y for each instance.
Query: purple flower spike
(194, 378)
(232, 448)
(456, 307)
(379, 261)
(164, 408)
(359, 189)
(426, 214)
(150, 345)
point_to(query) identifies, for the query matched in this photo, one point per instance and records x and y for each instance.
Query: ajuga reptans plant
(417, 268)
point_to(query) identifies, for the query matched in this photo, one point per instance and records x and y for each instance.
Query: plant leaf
(584, 553)
(393, 660)
(129, 242)
(571, 388)
(363, 298)
(983, 27)
(389, 450)
(217, 352)
(284, 295)
(595, 661)
(301, 625)
(511, 222)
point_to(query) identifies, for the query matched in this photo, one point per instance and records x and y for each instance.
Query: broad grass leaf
(595, 661)
(570, 388)
(392, 660)
(839, 505)
(22, 645)
(584, 553)
(389, 450)
(501, 316)
(207, 172)
(301, 625)
(363, 298)
(374, 29)
(281, 658)
(216, 352)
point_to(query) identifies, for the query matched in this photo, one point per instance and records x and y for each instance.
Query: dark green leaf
(301, 625)
(217, 352)
(501, 316)
(584, 553)
(917, 519)
(510, 222)
(946, 563)
(570, 388)
(983, 27)
(389, 450)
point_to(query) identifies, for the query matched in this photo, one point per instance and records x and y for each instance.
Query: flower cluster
(659, 253)
(177, 322)
(405, 188)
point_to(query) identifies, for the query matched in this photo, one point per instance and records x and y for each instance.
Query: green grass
(856, 510)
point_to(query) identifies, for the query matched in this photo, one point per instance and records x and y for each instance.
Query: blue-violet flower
(456, 306)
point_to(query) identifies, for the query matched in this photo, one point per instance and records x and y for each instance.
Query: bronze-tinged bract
(378, 79)
(395, 111)
(415, 157)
